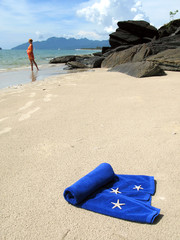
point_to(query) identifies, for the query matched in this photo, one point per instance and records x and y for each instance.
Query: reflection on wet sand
(34, 76)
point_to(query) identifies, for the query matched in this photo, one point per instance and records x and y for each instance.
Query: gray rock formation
(63, 59)
(170, 28)
(168, 60)
(135, 47)
(139, 69)
(75, 64)
(93, 62)
(143, 51)
(133, 54)
(90, 62)
(68, 58)
(132, 32)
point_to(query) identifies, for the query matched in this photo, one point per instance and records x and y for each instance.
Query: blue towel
(122, 196)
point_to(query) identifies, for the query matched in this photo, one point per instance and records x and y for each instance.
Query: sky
(93, 19)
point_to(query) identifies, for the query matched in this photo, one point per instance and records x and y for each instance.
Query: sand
(55, 131)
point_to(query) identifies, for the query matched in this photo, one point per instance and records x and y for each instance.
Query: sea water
(15, 66)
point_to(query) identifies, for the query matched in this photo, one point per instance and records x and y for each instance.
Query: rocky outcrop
(172, 27)
(132, 32)
(135, 42)
(63, 59)
(133, 54)
(168, 60)
(142, 51)
(163, 51)
(117, 49)
(74, 64)
(139, 69)
(68, 58)
(90, 62)
(93, 62)
(80, 61)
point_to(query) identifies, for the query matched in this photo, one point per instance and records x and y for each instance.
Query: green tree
(172, 14)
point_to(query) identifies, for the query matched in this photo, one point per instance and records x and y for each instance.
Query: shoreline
(21, 76)
(55, 131)
(14, 79)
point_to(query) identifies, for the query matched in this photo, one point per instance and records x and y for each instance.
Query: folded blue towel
(123, 196)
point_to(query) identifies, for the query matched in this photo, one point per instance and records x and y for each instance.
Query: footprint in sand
(33, 94)
(27, 105)
(2, 100)
(5, 130)
(70, 84)
(47, 98)
(28, 115)
(3, 119)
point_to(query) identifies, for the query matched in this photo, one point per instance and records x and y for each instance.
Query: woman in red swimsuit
(31, 55)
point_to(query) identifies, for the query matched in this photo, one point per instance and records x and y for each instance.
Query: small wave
(3, 70)
(12, 69)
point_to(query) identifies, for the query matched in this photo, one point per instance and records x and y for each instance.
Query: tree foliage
(172, 14)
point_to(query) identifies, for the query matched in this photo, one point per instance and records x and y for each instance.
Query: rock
(99, 54)
(80, 61)
(106, 49)
(169, 42)
(170, 28)
(118, 49)
(168, 60)
(139, 69)
(133, 54)
(68, 58)
(141, 52)
(86, 56)
(176, 32)
(132, 32)
(75, 64)
(63, 59)
(92, 62)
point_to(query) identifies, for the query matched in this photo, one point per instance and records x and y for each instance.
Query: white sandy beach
(55, 131)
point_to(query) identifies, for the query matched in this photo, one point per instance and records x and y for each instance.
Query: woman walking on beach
(31, 55)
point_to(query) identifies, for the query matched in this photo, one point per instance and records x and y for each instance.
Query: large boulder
(86, 62)
(133, 54)
(63, 59)
(168, 60)
(69, 58)
(172, 27)
(132, 32)
(75, 64)
(140, 52)
(92, 62)
(169, 42)
(117, 49)
(139, 69)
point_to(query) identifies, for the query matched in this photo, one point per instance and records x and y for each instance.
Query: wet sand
(15, 77)
(55, 131)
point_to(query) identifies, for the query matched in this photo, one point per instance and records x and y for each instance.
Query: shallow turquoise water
(15, 66)
(18, 59)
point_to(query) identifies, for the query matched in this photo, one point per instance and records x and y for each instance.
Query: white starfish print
(138, 187)
(118, 204)
(116, 191)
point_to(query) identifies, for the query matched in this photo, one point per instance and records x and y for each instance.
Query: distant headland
(55, 43)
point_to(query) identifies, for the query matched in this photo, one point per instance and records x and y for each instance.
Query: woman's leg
(31, 62)
(35, 65)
